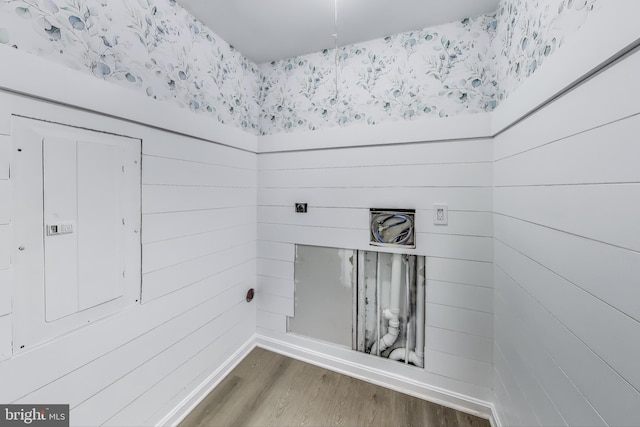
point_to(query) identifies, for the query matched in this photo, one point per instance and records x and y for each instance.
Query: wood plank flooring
(268, 389)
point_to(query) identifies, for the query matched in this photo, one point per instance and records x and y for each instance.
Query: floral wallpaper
(436, 71)
(528, 32)
(160, 50)
(153, 46)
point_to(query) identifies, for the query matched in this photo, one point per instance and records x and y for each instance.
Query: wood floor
(268, 389)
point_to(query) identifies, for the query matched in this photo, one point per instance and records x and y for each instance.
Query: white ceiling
(267, 30)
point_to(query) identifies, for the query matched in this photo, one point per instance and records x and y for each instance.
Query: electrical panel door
(76, 228)
(84, 230)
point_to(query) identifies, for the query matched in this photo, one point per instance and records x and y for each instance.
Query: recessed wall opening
(370, 301)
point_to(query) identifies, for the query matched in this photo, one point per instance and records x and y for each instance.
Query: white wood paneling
(518, 412)
(5, 250)
(460, 271)
(136, 358)
(161, 171)
(460, 222)
(6, 286)
(170, 252)
(448, 175)
(426, 129)
(459, 319)
(169, 336)
(341, 185)
(275, 250)
(545, 412)
(595, 379)
(448, 365)
(315, 216)
(184, 147)
(112, 402)
(437, 245)
(500, 395)
(603, 155)
(5, 194)
(460, 344)
(97, 340)
(592, 211)
(5, 337)
(458, 295)
(188, 376)
(190, 395)
(458, 198)
(275, 268)
(271, 321)
(569, 303)
(5, 144)
(276, 286)
(460, 151)
(171, 225)
(171, 198)
(574, 112)
(567, 260)
(5, 116)
(166, 280)
(275, 304)
(592, 265)
(571, 404)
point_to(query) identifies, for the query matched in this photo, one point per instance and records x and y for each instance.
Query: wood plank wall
(340, 185)
(567, 258)
(199, 259)
(5, 219)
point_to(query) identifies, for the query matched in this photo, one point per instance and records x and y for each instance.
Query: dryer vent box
(392, 228)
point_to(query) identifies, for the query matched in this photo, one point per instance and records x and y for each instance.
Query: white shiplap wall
(340, 185)
(199, 259)
(5, 258)
(567, 258)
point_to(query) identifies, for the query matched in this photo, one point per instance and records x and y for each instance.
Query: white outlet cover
(440, 214)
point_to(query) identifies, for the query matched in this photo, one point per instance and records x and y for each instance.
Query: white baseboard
(188, 404)
(382, 378)
(495, 419)
(355, 370)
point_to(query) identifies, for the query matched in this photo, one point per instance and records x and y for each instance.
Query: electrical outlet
(440, 214)
(301, 207)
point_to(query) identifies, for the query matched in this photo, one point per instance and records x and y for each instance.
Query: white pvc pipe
(400, 354)
(396, 276)
(416, 356)
(393, 312)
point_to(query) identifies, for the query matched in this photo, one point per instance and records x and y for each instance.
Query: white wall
(199, 259)
(567, 258)
(340, 185)
(5, 219)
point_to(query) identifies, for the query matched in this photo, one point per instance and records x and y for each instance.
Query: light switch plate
(57, 229)
(440, 214)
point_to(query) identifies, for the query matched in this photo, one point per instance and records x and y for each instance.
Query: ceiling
(268, 30)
